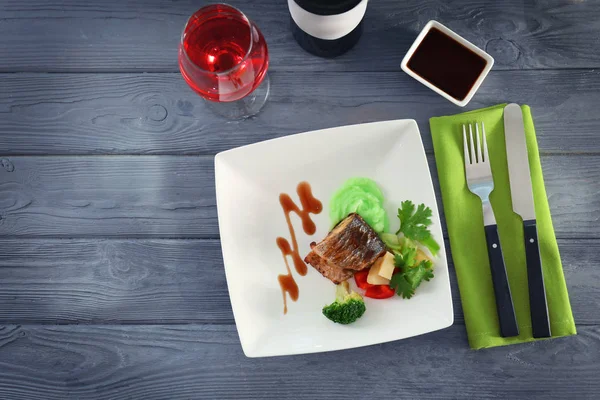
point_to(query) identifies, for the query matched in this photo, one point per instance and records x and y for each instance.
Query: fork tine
(466, 147)
(473, 159)
(479, 159)
(485, 150)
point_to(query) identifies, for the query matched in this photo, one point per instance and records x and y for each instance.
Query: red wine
(223, 56)
(219, 44)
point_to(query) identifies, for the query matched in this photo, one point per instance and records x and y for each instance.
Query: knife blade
(521, 191)
(518, 162)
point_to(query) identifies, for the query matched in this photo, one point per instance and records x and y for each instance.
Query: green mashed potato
(361, 196)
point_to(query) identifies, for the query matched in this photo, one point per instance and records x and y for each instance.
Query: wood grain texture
(174, 196)
(110, 196)
(177, 282)
(89, 243)
(206, 362)
(143, 35)
(158, 113)
(113, 281)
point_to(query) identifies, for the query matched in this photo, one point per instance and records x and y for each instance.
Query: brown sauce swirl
(310, 205)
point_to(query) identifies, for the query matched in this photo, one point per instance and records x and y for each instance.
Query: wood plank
(174, 196)
(151, 196)
(157, 362)
(143, 35)
(177, 281)
(159, 114)
(113, 281)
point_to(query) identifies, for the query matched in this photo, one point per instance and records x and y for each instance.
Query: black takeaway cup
(327, 28)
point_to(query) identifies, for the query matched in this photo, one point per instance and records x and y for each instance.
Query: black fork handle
(504, 303)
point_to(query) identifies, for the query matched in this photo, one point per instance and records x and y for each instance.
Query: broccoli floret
(347, 307)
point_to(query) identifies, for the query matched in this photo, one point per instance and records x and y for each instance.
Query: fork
(481, 183)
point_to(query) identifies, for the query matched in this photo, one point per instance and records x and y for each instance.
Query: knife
(522, 202)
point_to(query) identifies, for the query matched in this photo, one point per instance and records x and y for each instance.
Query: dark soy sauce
(446, 64)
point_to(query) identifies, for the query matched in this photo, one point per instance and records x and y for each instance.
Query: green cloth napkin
(464, 218)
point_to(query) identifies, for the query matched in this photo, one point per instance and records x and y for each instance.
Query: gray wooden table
(111, 277)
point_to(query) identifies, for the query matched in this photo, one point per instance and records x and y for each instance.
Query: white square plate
(249, 181)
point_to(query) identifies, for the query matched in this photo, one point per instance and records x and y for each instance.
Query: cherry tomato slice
(380, 292)
(372, 291)
(361, 279)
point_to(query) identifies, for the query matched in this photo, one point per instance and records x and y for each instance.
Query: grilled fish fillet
(331, 272)
(351, 246)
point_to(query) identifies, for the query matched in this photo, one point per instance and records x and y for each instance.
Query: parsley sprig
(414, 224)
(406, 282)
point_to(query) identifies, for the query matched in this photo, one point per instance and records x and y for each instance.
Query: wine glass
(224, 58)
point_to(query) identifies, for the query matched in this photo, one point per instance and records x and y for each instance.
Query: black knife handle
(504, 303)
(540, 322)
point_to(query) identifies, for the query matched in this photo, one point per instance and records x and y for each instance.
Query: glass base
(245, 107)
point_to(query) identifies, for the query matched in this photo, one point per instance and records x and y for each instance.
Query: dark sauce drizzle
(310, 205)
